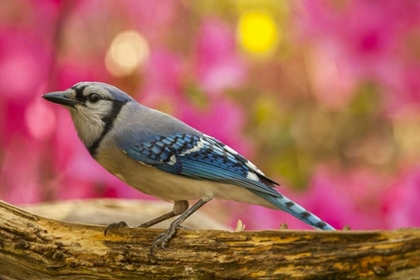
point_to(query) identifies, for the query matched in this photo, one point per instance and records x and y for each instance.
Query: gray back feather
(137, 123)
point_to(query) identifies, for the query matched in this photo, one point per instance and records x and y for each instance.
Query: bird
(164, 157)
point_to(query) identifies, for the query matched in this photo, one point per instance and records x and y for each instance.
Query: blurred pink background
(322, 95)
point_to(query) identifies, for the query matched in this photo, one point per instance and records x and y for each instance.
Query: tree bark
(34, 247)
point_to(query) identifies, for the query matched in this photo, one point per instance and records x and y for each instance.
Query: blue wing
(204, 158)
(201, 157)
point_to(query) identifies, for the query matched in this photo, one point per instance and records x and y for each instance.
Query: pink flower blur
(327, 53)
(370, 46)
(218, 65)
(400, 203)
(162, 79)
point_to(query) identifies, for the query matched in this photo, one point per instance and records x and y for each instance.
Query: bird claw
(163, 238)
(115, 226)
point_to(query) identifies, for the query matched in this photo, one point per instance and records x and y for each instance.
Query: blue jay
(161, 156)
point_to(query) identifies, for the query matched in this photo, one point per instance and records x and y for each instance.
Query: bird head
(93, 107)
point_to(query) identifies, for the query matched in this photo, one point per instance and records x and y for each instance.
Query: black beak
(61, 97)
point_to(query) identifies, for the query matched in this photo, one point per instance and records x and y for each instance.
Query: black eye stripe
(79, 92)
(79, 89)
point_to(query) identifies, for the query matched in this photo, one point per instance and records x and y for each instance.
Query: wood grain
(34, 247)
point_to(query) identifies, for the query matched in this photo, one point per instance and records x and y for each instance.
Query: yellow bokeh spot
(128, 51)
(257, 32)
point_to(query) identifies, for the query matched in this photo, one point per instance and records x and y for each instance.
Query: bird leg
(180, 207)
(164, 237)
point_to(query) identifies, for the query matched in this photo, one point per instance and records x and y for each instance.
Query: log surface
(34, 247)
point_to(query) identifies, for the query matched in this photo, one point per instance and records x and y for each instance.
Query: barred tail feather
(296, 210)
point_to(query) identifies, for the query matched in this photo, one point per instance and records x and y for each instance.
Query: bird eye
(93, 97)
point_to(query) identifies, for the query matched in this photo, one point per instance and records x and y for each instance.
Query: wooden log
(34, 247)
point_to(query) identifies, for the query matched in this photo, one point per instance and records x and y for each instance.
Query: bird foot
(115, 226)
(163, 238)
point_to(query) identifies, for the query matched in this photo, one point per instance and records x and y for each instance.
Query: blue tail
(296, 210)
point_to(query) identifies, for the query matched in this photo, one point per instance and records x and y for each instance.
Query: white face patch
(88, 120)
(196, 148)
